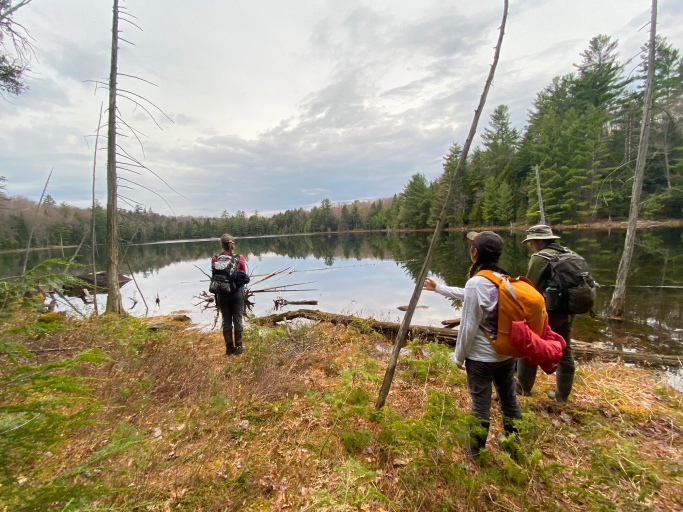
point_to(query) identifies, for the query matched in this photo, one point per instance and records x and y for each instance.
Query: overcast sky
(281, 104)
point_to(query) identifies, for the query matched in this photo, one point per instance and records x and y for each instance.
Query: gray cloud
(367, 96)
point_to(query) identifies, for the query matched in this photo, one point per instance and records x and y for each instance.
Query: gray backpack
(226, 277)
(571, 289)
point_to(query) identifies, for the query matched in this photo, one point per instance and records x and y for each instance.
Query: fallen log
(449, 337)
(416, 331)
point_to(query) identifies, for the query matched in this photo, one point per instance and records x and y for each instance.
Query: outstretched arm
(447, 291)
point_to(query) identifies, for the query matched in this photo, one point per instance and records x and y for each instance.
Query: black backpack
(571, 289)
(226, 277)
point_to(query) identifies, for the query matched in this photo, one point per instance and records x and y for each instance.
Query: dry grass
(290, 425)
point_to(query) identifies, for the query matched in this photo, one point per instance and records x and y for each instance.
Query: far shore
(598, 225)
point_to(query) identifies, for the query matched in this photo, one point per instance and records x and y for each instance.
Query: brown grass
(263, 431)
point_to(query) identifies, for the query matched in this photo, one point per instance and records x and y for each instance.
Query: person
(231, 305)
(543, 243)
(473, 352)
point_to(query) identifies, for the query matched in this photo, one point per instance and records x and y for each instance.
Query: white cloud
(280, 104)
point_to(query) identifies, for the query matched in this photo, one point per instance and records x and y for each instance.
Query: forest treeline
(582, 131)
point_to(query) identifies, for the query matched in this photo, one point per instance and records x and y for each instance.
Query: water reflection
(390, 262)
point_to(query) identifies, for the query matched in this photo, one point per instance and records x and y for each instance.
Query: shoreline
(597, 225)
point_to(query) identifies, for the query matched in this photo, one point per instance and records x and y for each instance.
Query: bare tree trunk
(35, 218)
(619, 296)
(540, 194)
(93, 243)
(666, 154)
(405, 325)
(112, 238)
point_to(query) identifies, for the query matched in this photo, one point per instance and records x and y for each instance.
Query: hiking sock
(238, 343)
(229, 343)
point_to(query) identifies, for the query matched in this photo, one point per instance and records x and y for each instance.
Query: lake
(372, 274)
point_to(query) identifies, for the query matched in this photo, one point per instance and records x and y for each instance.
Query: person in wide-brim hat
(542, 242)
(540, 232)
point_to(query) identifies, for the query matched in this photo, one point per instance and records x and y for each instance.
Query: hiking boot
(238, 343)
(508, 446)
(519, 391)
(477, 440)
(564, 380)
(509, 441)
(229, 343)
(553, 395)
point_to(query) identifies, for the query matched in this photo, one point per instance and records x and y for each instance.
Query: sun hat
(540, 232)
(486, 242)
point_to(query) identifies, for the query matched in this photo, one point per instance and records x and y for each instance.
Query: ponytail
(485, 261)
(229, 246)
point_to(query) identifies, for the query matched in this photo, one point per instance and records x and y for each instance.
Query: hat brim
(554, 237)
(472, 234)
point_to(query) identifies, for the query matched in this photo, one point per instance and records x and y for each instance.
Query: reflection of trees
(658, 260)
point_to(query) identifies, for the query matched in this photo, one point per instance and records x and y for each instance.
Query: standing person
(229, 294)
(473, 352)
(555, 271)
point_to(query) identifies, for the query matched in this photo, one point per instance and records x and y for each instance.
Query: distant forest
(582, 131)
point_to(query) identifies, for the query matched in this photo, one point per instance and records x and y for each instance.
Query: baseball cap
(486, 242)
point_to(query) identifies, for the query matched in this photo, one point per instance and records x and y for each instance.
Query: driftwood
(280, 302)
(449, 337)
(453, 322)
(100, 280)
(405, 308)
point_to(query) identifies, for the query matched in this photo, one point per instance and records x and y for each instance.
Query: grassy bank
(162, 420)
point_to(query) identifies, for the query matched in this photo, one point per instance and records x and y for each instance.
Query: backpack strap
(490, 276)
(544, 255)
(495, 280)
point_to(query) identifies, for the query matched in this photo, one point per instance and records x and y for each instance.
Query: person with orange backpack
(475, 352)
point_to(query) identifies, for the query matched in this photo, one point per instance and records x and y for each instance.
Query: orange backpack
(518, 300)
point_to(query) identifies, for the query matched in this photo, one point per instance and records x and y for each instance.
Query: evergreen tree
(505, 207)
(490, 201)
(417, 201)
(356, 220)
(500, 143)
(599, 82)
(345, 220)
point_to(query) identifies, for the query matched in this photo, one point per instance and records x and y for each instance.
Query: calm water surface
(373, 273)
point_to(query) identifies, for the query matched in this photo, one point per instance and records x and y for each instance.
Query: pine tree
(417, 201)
(345, 220)
(490, 201)
(505, 207)
(599, 82)
(356, 220)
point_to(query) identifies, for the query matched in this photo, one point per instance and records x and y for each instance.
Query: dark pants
(480, 375)
(526, 374)
(231, 306)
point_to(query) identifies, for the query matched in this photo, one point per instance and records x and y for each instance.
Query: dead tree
(118, 159)
(16, 48)
(112, 236)
(405, 325)
(619, 296)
